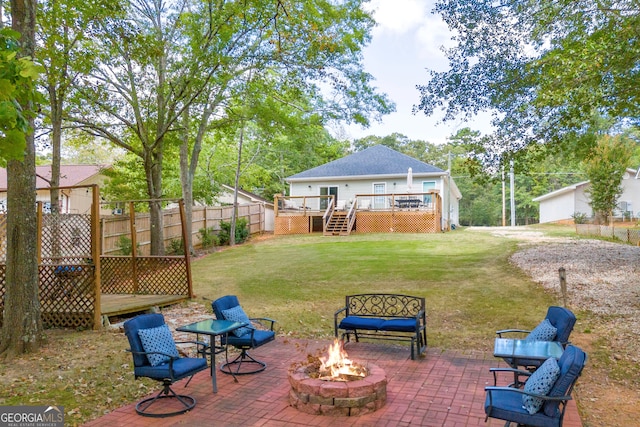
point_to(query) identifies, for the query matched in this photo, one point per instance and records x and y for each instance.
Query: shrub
(176, 247)
(125, 246)
(242, 231)
(579, 218)
(208, 237)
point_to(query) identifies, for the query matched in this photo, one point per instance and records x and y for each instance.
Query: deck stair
(338, 224)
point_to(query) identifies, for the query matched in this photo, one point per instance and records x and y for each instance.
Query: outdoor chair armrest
(517, 373)
(264, 320)
(520, 391)
(511, 331)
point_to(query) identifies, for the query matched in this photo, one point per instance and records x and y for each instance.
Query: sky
(406, 42)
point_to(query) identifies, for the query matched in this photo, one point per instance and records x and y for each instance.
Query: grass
(470, 288)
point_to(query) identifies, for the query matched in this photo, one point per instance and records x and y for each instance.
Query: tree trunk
(22, 326)
(153, 171)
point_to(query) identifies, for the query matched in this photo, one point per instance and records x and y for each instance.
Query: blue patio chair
(542, 402)
(245, 338)
(556, 326)
(155, 356)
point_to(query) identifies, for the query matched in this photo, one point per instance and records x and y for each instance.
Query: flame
(337, 363)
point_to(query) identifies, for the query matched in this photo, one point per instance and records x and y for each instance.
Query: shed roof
(376, 160)
(70, 175)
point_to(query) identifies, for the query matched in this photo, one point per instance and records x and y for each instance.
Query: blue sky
(407, 41)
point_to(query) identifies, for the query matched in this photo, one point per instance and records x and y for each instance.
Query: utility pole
(513, 196)
(504, 203)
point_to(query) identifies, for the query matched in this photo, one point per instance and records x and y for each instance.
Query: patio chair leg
(167, 392)
(245, 358)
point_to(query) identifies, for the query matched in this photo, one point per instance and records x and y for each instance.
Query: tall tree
(546, 68)
(22, 326)
(177, 63)
(605, 168)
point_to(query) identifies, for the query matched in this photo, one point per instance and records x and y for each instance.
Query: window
(426, 187)
(379, 201)
(327, 191)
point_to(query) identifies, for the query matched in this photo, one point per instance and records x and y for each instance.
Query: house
(377, 179)
(72, 200)
(246, 197)
(562, 204)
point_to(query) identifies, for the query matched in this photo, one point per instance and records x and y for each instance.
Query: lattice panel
(3, 275)
(151, 275)
(3, 238)
(66, 236)
(67, 295)
(397, 222)
(291, 225)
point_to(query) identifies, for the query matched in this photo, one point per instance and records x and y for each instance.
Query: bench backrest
(384, 305)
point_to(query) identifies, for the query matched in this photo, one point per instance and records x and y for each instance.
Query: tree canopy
(547, 69)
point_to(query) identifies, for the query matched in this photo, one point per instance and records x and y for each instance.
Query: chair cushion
(571, 364)
(258, 338)
(540, 382)
(400, 325)
(357, 322)
(158, 339)
(182, 367)
(237, 314)
(545, 331)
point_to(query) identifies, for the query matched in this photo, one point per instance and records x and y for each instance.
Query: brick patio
(445, 388)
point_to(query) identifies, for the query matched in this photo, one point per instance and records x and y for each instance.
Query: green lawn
(470, 288)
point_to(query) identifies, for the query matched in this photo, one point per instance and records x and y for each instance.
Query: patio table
(214, 328)
(521, 349)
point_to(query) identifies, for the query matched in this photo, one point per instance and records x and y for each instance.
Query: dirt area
(603, 289)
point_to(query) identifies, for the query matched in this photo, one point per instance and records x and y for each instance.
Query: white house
(72, 200)
(562, 204)
(377, 170)
(246, 197)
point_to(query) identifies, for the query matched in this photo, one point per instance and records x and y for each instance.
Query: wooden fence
(115, 227)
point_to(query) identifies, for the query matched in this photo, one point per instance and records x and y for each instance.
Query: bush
(176, 247)
(242, 231)
(579, 218)
(125, 245)
(208, 237)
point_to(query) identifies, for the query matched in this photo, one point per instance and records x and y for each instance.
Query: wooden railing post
(96, 251)
(134, 247)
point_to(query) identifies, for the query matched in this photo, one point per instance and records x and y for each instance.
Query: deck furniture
(543, 399)
(244, 338)
(384, 316)
(523, 351)
(155, 356)
(214, 328)
(556, 326)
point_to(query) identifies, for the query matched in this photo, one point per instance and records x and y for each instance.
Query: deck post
(96, 249)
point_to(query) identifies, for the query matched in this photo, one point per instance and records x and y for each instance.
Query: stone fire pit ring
(338, 398)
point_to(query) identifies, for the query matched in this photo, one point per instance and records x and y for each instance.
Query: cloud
(398, 16)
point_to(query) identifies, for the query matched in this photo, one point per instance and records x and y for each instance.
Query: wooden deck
(116, 304)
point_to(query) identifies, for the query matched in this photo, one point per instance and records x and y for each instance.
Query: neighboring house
(72, 200)
(377, 170)
(562, 204)
(246, 197)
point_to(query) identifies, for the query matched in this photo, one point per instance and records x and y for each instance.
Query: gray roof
(376, 160)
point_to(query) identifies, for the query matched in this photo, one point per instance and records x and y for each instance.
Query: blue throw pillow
(540, 382)
(158, 340)
(545, 331)
(237, 314)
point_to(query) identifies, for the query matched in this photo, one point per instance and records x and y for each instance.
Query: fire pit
(335, 385)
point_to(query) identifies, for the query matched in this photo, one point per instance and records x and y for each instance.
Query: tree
(547, 69)
(21, 326)
(173, 65)
(605, 168)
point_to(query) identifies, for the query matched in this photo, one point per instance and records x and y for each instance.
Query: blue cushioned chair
(561, 318)
(249, 338)
(505, 403)
(169, 367)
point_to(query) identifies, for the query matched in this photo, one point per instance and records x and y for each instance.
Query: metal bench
(384, 316)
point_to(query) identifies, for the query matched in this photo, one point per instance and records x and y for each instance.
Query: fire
(337, 365)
